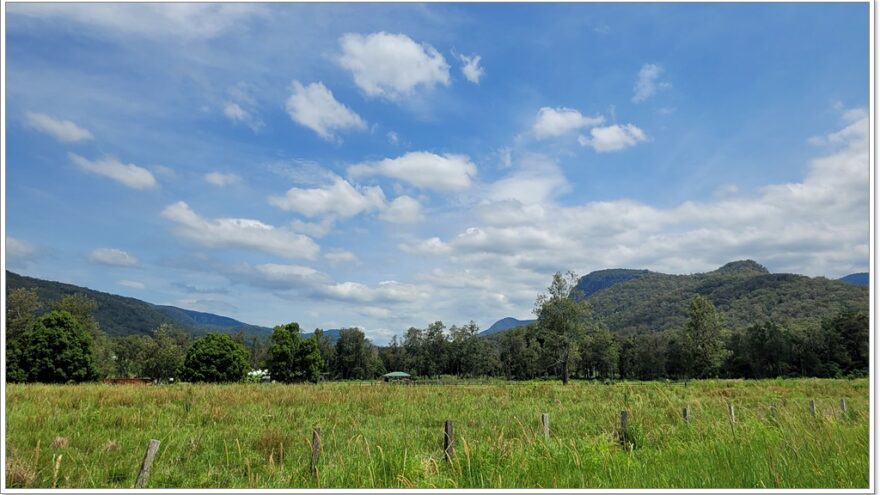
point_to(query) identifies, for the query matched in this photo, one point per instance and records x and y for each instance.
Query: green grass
(381, 435)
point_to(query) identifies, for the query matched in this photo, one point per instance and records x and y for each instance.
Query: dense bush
(59, 350)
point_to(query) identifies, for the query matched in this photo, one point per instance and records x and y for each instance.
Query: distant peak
(743, 266)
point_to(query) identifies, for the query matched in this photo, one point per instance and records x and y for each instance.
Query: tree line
(65, 344)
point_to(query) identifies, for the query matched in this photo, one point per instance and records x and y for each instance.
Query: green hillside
(744, 293)
(119, 315)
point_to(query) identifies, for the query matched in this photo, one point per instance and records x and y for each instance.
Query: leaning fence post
(316, 450)
(843, 406)
(732, 411)
(686, 414)
(144, 475)
(448, 440)
(545, 422)
(812, 408)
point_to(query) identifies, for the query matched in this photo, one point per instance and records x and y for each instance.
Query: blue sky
(389, 165)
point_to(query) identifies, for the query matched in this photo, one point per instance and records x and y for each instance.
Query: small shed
(395, 375)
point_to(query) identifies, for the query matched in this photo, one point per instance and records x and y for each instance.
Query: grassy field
(381, 435)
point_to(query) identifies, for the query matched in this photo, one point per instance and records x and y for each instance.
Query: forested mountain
(504, 324)
(863, 279)
(744, 293)
(119, 315)
(603, 279)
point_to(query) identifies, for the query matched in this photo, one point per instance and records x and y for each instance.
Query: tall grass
(385, 435)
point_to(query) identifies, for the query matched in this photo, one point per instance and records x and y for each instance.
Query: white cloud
(393, 138)
(613, 137)
(552, 122)
(423, 169)
(17, 248)
(236, 113)
(392, 66)
(340, 198)
(222, 180)
(129, 175)
(337, 256)
(648, 83)
(536, 180)
(404, 209)
(430, 247)
(113, 257)
(818, 226)
(312, 229)
(132, 284)
(160, 21)
(471, 68)
(506, 156)
(239, 233)
(62, 130)
(386, 291)
(314, 106)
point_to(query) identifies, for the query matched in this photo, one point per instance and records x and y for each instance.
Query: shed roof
(396, 374)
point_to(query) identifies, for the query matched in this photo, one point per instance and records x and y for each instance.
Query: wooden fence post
(316, 450)
(545, 422)
(843, 406)
(686, 413)
(143, 476)
(624, 427)
(732, 411)
(812, 408)
(448, 440)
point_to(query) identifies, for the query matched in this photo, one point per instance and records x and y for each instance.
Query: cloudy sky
(390, 165)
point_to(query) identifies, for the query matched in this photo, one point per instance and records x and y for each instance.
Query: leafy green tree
(563, 316)
(283, 353)
(132, 352)
(21, 314)
(599, 353)
(59, 350)
(326, 347)
(355, 357)
(309, 360)
(393, 356)
(83, 308)
(701, 340)
(167, 354)
(436, 349)
(216, 357)
(847, 337)
(292, 358)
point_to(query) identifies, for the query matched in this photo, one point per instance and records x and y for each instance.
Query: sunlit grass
(384, 435)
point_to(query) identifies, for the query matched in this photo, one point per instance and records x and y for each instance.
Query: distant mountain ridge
(862, 279)
(120, 315)
(744, 292)
(504, 324)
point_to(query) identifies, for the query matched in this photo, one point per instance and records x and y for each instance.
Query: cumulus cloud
(648, 83)
(471, 68)
(404, 209)
(221, 180)
(391, 66)
(312, 229)
(446, 172)
(339, 198)
(62, 130)
(17, 248)
(553, 122)
(389, 291)
(613, 138)
(132, 284)
(239, 233)
(314, 106)
(129, 175)
(112, 257)
(817, 226)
